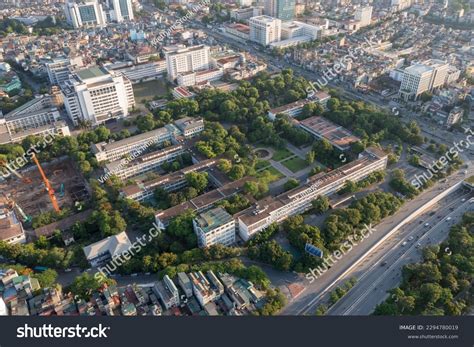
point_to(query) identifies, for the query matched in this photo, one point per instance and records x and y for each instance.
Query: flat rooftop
(91, 72)
(212, 219)
(332, 132)
(290, 106)
(104, 147)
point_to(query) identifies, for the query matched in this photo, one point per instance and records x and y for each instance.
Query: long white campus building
(187, 127)
(37, 117)
(96, 95)
(140, 72)
(298, 200)
(171, 182)
(111, 151)
(124, 169)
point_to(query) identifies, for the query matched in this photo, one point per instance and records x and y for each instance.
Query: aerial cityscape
(236, 158)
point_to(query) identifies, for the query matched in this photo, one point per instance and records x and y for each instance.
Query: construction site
(45, 187)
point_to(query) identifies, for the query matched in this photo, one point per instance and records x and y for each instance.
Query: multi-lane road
(382, 270)
(317, 290)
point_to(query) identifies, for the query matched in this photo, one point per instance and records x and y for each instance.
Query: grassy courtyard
(281, 154)
(295, 164)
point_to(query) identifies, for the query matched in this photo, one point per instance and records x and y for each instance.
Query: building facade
(95, 95)
(423, 77)
(213, 227)
(265, 30)
(364, 15)
(85, 13)
(281, 9)
(189, 59)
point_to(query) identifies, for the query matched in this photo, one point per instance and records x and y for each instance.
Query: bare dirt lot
(30, 192)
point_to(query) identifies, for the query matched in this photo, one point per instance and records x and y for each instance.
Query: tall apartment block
(186, 59)
(95, 95)
(85, 13)
(119, 10)
(265, 30)
(364, 15)
(281, 9)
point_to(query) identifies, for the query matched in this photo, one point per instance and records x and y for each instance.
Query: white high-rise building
(265, 30)
(85, 13)
(422, 77)
(120, 10)
(60, 68)
(95, 95)
(188, 59)
(364, 15)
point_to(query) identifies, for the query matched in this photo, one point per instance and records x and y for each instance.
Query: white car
(448, 219)
(404, 243)
(462, 200)
(410, 238)
(427, 224)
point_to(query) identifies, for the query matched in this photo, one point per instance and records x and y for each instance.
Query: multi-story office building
(139, 72)
(423, 77)
(34, 114)
(118, 149)
(119, 10)
(294, 29)
(85, 13)
(192, 78)
(213, 227)
(298, 200)
(281, 9)
(95, 95)
(144, 163)
(265, 30)
(188, 59)
(59, 69)
(244, 14)
(364, 15)
(37, 117)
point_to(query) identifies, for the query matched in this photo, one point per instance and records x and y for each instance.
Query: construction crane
(49, 189)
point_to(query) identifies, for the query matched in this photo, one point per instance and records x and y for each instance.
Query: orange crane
(49, 189)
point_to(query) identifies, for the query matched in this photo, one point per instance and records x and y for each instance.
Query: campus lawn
(261, 164)
(149, 89)
(281, 154)
(275, 175)
(295, 164)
